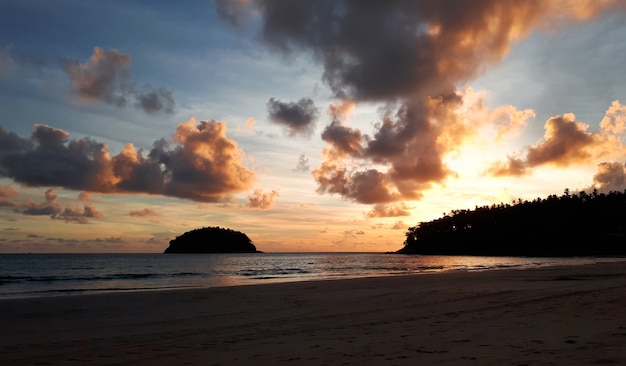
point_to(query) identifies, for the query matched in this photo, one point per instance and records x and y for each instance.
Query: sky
(311, 126)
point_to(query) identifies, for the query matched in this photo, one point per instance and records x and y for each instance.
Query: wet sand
(550, 316)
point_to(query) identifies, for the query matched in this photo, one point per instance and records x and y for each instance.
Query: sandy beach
(549, 316)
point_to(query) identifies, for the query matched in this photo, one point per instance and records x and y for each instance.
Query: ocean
(38, 275)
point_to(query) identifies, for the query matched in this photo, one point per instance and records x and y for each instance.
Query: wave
(109, 277)
(271, 273)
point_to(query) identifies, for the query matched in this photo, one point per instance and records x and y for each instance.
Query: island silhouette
(212, 240)
(570, 225)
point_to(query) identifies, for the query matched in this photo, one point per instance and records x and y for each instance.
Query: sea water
(36, 275)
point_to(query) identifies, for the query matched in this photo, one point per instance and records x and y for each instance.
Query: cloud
(377, 51)
(231, 11)
(412, 56)
(369, 186)
(298, 118)
(248, 126)
(610, 176)
(409, 141)
(10, 144)
(14, 64)
(341, 138)
(7, 196)
(501, 123)
(203, 165)
(84, 196)
(263, 201)
(144, 212)
(568, 142)
(51, 207)
(155, 100)
(78, 215)
(303, 164)
(381, 210)
(49, 159)
(106, 78)
(614, 121)
(198, 163)
(399, 225)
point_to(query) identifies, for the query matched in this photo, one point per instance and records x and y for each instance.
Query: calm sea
(35, 275)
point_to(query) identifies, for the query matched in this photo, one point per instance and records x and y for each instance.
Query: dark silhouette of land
(212, 240)
(570, 225)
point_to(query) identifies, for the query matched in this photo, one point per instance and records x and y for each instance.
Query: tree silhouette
(570, 225)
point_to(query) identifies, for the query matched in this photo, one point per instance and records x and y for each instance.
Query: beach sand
(550, 316)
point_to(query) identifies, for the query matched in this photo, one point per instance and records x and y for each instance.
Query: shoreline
(560, 315)
(31, 277)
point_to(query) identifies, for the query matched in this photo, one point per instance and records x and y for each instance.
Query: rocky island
(212, 240)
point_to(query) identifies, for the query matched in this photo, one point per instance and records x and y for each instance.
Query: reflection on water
(53, 274)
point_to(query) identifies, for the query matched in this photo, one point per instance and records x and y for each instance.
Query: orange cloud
(567, 142)
(199, 163)
(381, 210)
(7, 196)
(610, 176)
(105, 78)
(84, 196)
(264, 201)
(500, 123)
(614, 121)
(248, 126)
(144, 212)
(399, 225)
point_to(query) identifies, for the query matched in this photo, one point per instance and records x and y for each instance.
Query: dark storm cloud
(199, 163)
(48, 158)
(377, 50)
(298, 118)
(106, 78)
(10, 143)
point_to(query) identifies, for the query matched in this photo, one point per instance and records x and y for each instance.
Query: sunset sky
(308, 125)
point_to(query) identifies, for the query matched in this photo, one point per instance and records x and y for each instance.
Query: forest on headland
(579, 224)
